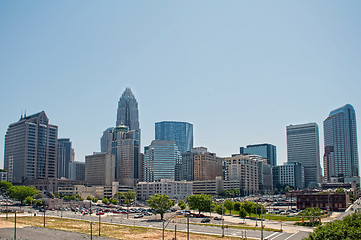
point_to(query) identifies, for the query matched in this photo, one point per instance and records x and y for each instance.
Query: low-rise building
(327, 201)
(214, 187)
(174, 189)
(3, 175)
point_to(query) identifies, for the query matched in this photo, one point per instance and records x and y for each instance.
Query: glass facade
(340, 135)
(265, 150)
(180, 132)
(161, 161)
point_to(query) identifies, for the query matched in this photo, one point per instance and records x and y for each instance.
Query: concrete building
(125, 147)
(100, 169)
(180, 132)
(244, 169)
(174, 189)
(161, 161)
(215, 186)
(77, 171)
(84, 191)
(207, 166)
(291, 174)
(65, 155)
(265, 177)
(3, 175)
(265, 150)
(303, 147)
(341, 151)
(31, 149)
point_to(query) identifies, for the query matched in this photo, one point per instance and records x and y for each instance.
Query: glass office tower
(341, 153)
(180, 132)
(265, 150)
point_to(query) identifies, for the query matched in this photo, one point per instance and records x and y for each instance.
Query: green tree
(243, 214)
(182, 204)
(346, 229)
(311, 213)
(126, 197)
(258, 209)
(29, 200)
(5, 186)
(72, 197)
(228, 204)
(105, 200)
(237, 206)
(287, 188)
(89, 198)
(248, 206)
(160, 204)
(340, 190)
(95, 200)
(39, 203)
(21, 192)
(219, 209)
(200, 202)
(113, 201)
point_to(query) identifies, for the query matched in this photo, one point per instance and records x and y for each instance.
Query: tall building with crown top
(127, 113)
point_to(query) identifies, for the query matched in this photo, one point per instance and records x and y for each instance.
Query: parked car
(99, 213)
(217, 218)
(139, 215)
(205, 220)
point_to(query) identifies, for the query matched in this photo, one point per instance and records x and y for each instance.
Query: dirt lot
(31, 228)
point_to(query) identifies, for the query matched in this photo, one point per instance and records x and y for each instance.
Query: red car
(99, 213)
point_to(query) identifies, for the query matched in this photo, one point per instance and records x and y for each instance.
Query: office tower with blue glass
(341, 152)
(161, 161)
(180, 132)
(265, 150)
(65, 155)
(303, 147)
(31, 149)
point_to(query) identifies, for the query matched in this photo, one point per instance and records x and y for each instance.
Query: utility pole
(222, 220)
(187, 227)
(99, 224)
(91, 230)
(44, 218)
(15, 226)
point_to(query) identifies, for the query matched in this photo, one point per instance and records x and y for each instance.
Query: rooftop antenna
(25, 114)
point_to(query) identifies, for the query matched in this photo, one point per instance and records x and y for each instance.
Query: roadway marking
(269, 237)
(291, 235)
(276, 236)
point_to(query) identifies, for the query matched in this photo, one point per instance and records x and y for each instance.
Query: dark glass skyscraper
(180, 132)
(127, 113)
(341, 154)
(65, 156)
(265, 150)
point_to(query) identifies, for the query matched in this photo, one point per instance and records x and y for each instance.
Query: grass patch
(109, 230)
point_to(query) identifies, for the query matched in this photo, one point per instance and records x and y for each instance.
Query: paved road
(350, 210)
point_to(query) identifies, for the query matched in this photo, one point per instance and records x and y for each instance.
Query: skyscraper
(341, 154)
(180, 132)
(31, 148)
(125, 148)
(127, 113)
(106, 140)
(265, 150)
(303, 147)
(65, 155)
(161, 161)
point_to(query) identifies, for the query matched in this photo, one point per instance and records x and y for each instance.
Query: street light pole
(222, 220)
(99, 224)
(44, 218)
(187, 227)
(15, 226)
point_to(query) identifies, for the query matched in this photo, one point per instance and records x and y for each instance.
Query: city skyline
(238, 78)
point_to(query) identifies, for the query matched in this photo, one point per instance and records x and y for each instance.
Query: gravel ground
(38, 233)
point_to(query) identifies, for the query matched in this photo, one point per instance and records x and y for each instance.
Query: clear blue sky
(240, 71)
